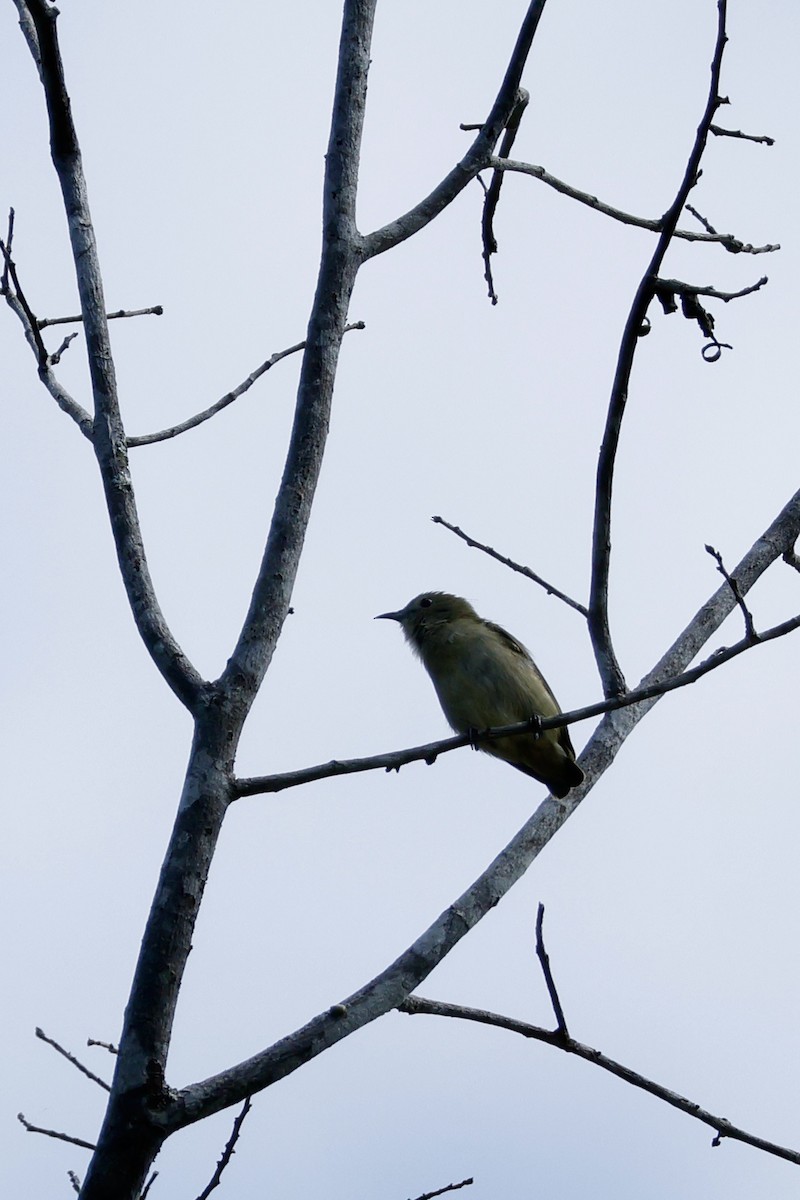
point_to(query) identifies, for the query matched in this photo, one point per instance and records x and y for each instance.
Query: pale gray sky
(672, 895)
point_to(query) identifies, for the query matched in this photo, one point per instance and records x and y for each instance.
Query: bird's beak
(397, 616)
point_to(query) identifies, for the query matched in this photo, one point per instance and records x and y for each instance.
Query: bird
(484, 678)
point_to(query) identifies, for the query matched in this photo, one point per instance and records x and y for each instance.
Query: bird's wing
(512, 644)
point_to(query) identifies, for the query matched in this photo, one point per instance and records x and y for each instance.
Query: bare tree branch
(599, 629)
(148, 1185)
(451, 1187)
(59, 393)
(667, 286)
(108, 433)
(418, 1005)
(147, 439)
(53, 1133)
(492, 195)
(552, 991)
(72, 1059)
(749, 626)
(477, 157)
(140, 1096)
(508, 562)
(109, 1046)
(228, 1152)
(155, 311)
(728, 242)
(388, 989)
(428, 753)
(718, 131)
(30, 322)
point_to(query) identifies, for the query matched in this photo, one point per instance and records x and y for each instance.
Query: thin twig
(55, 358)
(599, 628)
(53, 1133)
(148, 1185)
(719, 131)
(74, 1180)
(709, 228)
(109, 1046)
(228, 1152)
(477, 158)
(552, 991)
(508, 562)
(156, 311)
(727, 241)
(690, 289)
(492, 193)
(11, 270)
(42, 1036)
(428, 753)
(419, 1005)
(749, 625)
(59, 393)
(7, 252)
(451, 1187)
(147, 439)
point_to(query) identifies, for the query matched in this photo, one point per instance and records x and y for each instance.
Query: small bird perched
(484, 677)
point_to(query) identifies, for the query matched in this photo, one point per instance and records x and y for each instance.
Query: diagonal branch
(417, 1005)
(59, 393)
(53, 1133)
(476, 158)
(450, 1187)
(341, 258)
(599, 629)
(552, 991)
(228, 1152)
(509, 562)
(728, 242)
(108, 433)
(749, 626)
(492, 196)
(395, 759)
(147, 439)
(72, 1059)
(391, 987)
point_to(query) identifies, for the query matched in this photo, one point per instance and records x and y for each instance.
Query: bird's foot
(535, 723)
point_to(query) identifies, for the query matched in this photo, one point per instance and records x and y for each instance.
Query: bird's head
(427, 613)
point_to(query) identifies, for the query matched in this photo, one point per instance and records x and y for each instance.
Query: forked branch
(108, 435)
(610, 672)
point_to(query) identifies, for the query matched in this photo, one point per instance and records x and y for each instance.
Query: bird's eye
(426, 602)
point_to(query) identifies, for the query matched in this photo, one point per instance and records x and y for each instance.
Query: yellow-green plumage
(484, 677)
